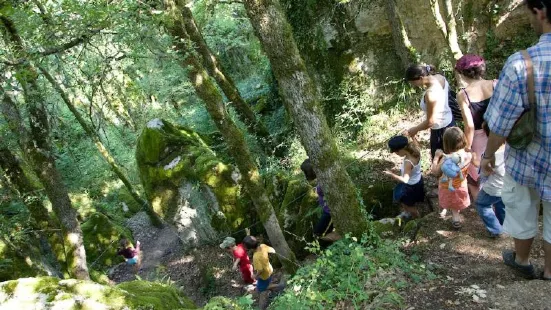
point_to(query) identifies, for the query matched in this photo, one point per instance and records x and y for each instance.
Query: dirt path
(471, 274)
(201, 273)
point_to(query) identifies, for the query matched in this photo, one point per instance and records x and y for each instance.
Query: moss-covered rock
(170, 158)
(101, 238)
(53, 293)
(296, 207)
(159, 296)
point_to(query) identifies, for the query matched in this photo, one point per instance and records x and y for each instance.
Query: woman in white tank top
(434, 103)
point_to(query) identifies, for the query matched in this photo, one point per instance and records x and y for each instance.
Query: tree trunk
(453, 41)
(44, 167)
(402, 44)
(44, 225)
(302, 101)
(207, 91)
(449, 29)
(435, 9)
(156, 220)
(36, 146)
(12, 168)
(210, 62)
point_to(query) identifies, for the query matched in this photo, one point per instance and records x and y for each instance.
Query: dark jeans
(492, 219)
(437, 139)
(324, 225)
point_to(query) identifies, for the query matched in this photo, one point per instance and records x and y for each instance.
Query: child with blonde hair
(453, 192)
(410, 190)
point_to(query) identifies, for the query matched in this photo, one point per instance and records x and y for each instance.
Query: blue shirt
(529, 167)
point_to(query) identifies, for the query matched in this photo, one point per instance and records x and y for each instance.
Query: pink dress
(458, 199)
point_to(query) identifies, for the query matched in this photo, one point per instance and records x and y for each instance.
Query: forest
(179, 123)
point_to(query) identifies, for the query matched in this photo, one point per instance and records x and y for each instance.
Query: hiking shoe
(526, 271)
(456, 225)
(496, 236)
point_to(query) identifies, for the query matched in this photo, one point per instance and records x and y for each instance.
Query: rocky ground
(471, 274)
(201, 273)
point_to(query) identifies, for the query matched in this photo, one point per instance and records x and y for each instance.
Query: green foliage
(498, 50)
(224, 303)
(101, 240)
(355, 274)
(230, 36)
(16, 238)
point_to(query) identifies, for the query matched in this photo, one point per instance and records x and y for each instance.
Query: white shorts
(522, 209)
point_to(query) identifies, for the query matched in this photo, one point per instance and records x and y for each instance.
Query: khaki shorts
(522, 209)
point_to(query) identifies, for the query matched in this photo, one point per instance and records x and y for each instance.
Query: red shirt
(241, 253)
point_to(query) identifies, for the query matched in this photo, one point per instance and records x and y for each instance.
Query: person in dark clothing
(324, 224)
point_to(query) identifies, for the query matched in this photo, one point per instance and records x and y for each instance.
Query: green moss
(52, 293)
(123, 196)
(13, 266)
(168, 155)
(386, 229)
(297, 211)
(101, 238)
(155, 295)
(99, 277)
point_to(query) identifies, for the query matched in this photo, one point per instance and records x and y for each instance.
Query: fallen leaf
(476, 299)
(443, 245)
(500, 286)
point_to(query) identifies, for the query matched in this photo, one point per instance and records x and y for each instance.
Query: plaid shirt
(530, 167)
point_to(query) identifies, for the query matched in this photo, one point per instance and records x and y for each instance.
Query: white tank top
(415, 174)
(442, 112)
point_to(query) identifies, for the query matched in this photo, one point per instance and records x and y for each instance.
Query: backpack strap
(530, 79)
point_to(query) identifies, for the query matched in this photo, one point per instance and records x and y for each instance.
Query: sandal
(526, 271)
(456, 225)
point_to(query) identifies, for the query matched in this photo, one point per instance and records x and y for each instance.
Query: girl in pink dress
(457, 198)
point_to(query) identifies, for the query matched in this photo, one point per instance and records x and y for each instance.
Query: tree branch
(435, 8)
(453, 40)
(77, 41)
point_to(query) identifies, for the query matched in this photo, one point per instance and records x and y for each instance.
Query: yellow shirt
(261, 261)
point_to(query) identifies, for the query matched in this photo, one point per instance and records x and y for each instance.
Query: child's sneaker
(443, 213)
(405, 215)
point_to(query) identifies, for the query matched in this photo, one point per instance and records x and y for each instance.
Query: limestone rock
(187, 185)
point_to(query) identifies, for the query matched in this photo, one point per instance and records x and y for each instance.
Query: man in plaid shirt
(528, 179)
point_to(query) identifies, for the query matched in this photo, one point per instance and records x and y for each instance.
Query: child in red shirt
(241, 258)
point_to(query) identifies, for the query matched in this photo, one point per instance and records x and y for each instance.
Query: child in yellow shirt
(262, 268)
